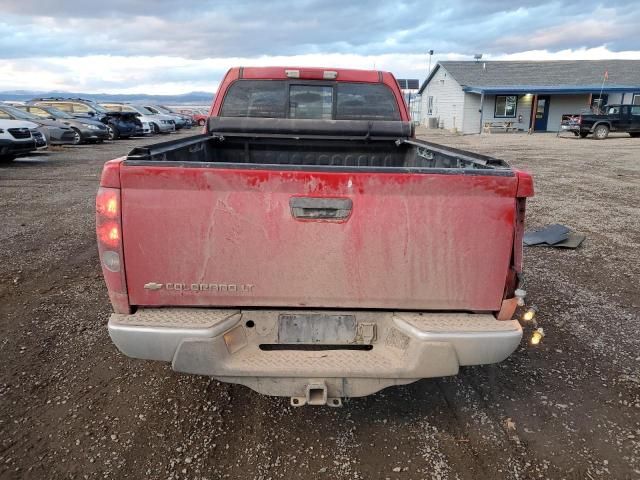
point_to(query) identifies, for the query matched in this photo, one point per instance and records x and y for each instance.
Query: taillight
(109, 233)
(107, 202)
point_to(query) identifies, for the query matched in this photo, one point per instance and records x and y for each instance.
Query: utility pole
(604, 79)
(426, 93)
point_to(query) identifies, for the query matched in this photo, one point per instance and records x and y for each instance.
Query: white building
(465, 96)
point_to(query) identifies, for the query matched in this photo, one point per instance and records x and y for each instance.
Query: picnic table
(507, 126)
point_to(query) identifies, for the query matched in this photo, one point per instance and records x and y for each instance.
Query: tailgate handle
(314, 208)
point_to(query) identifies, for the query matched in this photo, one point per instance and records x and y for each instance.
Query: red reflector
(109, 234)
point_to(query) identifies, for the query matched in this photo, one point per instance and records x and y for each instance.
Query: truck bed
(315, 144)
(322, 219)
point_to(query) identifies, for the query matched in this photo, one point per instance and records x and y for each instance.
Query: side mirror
(92, 114)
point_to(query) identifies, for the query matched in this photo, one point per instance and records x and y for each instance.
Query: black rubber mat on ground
(555, 235)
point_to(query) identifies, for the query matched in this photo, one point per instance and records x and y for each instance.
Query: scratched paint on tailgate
(227, 237)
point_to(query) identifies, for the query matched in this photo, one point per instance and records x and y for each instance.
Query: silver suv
(151, 122)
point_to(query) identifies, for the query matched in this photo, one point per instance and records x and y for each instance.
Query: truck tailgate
(210, 236)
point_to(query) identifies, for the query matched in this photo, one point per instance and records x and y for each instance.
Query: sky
(172, 47)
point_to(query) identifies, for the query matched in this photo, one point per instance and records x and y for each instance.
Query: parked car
(317, 259)
(16, 138)
(199, 116)
(85, 130)
(182, 121)
(40, 138)
(616, 118)
(55, 132)
(119, 124)
(151, 122)
(172, 111)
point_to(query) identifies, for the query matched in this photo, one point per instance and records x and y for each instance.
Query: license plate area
(316, 329)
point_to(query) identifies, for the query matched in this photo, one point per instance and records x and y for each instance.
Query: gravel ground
(71, 406)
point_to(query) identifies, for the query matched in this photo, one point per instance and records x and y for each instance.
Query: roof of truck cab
(344, 74)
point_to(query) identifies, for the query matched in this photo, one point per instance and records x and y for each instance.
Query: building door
(542, 113)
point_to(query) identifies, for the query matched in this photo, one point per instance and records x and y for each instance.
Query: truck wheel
(584, 134)
(77, 137)
(113, 132)
(201, 122)
(601, 132)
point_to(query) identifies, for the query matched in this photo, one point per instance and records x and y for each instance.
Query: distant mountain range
(192, 98)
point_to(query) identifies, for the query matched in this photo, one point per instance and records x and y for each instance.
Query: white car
(16, 138)
(151, 122)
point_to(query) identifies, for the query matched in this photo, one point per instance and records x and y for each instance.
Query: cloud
(203, 29)
(168, 46)
(172, 75)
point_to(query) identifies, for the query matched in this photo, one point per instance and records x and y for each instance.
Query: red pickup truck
(307, 245)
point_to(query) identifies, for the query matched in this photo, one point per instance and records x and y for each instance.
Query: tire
(201, 122)
(584, 134)
(155, 129)
(77, 136)
(601, 132)
(113, 132)
(7, 158)
(634, 134)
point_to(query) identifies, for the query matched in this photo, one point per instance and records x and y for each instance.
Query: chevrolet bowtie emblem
(152, 286)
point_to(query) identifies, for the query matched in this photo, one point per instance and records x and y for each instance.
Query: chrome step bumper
(226, 344)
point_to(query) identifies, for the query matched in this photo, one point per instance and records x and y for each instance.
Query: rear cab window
(356, 101)
(310, 100)
(255, 98)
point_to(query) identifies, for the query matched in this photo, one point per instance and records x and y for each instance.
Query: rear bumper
(398, 348)
(576, 129)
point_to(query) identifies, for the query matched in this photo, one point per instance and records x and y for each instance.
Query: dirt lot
(71, 406)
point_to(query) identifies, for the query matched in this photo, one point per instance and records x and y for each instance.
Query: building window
(598, 101)
(636, 99)
(506, 106)
(430, 105)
